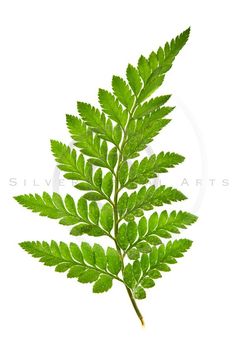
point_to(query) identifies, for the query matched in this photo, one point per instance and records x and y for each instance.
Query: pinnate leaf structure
(111, 177)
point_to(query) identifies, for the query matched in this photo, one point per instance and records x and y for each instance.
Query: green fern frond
(85, 263)
(142, 273)
(107, 138)
(147, 168)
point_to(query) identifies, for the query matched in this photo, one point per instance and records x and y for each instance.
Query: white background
(54, 53)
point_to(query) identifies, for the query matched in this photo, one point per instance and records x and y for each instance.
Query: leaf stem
(116, 222)
(116, 217)
(140, 316)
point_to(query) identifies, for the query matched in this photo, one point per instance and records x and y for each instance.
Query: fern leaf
(150, 232)
(143, 273)
(153, 71)
(150, 106)
(167, 160)
(134, 79)
(142, 131)
(68, 161)
(146, 199)
(88, 143)
(147, 168)
(77, 169)
(80, 215)
(122, 92)
(126, 123)
(97, 122)
(85, 263)
(110, 106)
(144, 68)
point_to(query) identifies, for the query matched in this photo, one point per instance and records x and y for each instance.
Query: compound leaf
(89, 143)
(153, 71)
(146, 199)
(150, 106)
(86, 219)
(126, 123)
(141, 132)
(78, 169)
(97, 121)
(151, 231)
(87, 264)
(147, 168)
(142, 274)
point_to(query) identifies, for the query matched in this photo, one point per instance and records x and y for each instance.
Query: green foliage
(85, 263)
(153, 69)
(78, 170)
(143, 272)
(150, 106)
(86, 218)
(147, 168)
(97, 122)
(134, 79)
(134, 204)
(89, 143)
(122, 92)
(111, 106)
(141, 132)
(127, 121)
(148, 233)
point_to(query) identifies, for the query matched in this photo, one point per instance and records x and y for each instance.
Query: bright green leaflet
(127, 121)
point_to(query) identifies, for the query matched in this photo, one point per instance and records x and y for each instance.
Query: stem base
(135, 306)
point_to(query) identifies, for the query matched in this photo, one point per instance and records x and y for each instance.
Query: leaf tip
(18, 198)
(25, 245)
(53, 144)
